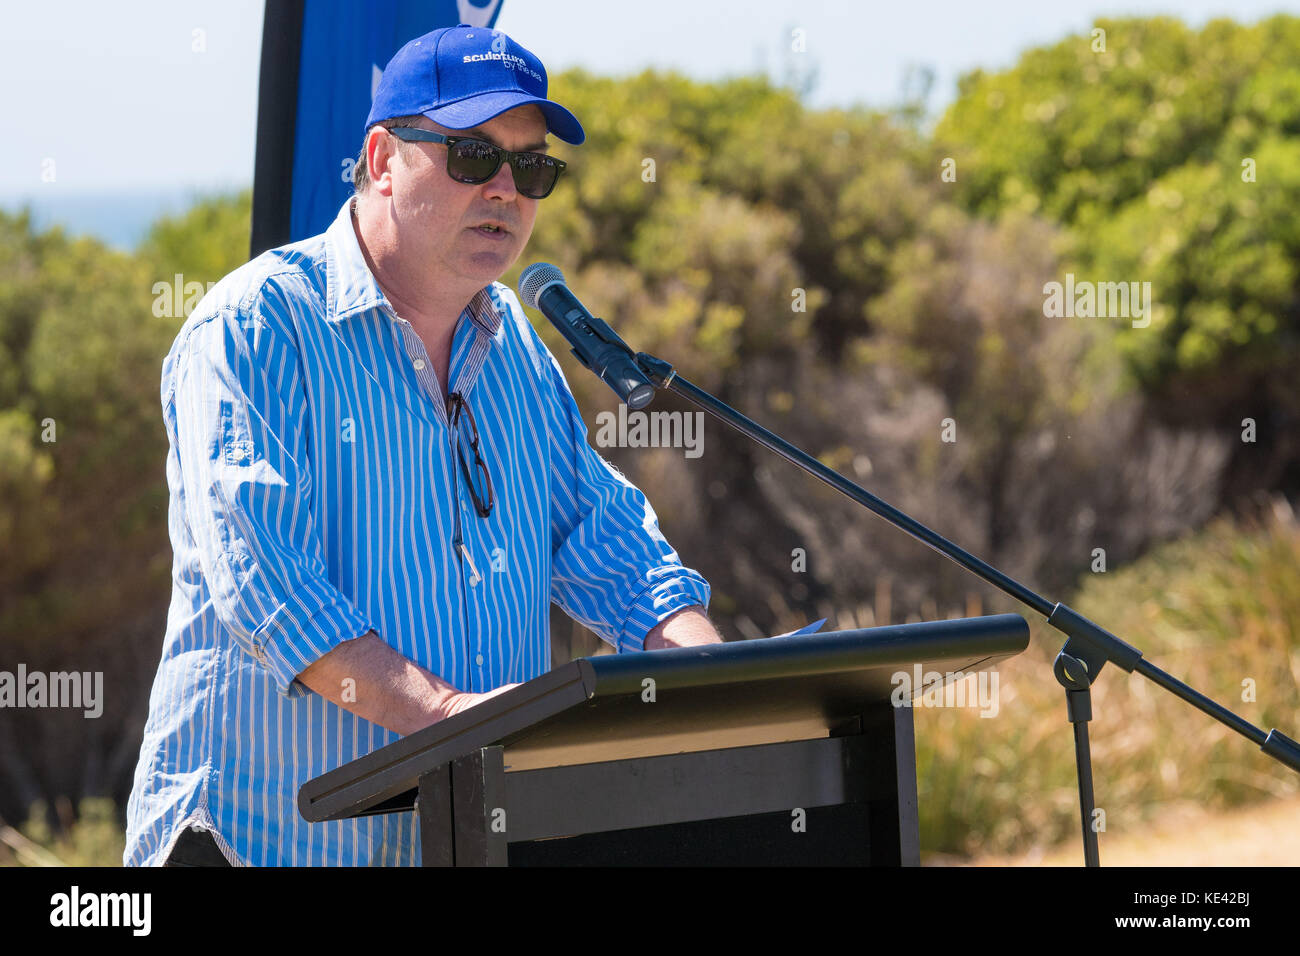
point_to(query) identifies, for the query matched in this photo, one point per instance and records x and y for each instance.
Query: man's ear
(380, 153)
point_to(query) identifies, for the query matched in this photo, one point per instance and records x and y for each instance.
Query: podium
(781, 751)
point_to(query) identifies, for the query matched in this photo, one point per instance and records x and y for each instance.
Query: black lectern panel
(834, 836)
(625, 758)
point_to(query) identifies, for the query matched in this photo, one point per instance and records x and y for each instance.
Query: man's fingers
(465, 700)
(500, 690)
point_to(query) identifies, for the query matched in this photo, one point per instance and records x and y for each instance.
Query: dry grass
(1219, 610)
(1266, 834)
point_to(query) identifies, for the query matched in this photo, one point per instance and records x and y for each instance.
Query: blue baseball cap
(462, 76)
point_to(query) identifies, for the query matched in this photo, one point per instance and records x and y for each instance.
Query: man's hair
(360, 171)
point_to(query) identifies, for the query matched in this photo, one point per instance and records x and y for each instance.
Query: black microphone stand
(1087, 648)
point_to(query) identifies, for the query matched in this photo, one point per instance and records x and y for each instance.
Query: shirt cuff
(672, 590)
(312, 622)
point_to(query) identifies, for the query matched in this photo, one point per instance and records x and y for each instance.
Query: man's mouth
(490, 229)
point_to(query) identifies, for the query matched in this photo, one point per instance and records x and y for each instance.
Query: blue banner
(321, 60)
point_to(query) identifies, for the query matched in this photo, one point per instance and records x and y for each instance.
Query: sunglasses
(473, 161)
(476, 477)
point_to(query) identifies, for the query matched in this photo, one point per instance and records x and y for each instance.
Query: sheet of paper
(807, 629)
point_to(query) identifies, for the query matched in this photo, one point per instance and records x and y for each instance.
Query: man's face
(439, 221)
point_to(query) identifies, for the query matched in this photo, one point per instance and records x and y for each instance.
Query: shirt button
(419, 364)
(478, 659)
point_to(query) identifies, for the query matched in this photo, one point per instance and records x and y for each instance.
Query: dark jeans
(196, 848)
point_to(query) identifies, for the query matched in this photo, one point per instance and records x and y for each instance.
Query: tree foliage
(1173, 157)
(84, 554)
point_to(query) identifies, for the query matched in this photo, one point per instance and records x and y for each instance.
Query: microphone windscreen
(534, 279)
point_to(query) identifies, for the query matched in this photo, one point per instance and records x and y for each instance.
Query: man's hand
(689, 627)
(464, 700)
(386, 688)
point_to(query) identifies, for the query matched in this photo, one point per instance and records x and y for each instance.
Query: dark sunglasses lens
(535, 174)
(482, 487)
(473, 470)
(472, 161)
(471, 462)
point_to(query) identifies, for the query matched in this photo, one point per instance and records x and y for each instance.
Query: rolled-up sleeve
(612, 568)
(237, 422)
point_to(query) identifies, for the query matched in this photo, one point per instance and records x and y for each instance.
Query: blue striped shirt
(315, 496)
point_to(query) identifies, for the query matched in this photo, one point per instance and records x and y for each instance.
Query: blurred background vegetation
(924, 301)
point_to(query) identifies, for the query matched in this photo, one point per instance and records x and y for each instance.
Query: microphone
(595, 345)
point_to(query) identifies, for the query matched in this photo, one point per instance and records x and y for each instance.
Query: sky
(118, 96)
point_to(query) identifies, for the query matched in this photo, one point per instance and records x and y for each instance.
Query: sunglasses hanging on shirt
(476, 476)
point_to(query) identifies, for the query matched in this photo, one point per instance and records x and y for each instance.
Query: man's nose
(502, 185)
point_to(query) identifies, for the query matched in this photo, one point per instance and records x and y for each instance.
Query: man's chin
(489, 265)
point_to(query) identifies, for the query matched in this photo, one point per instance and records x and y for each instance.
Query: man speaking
(379, 481)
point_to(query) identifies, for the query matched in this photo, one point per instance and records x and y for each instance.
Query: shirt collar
(351, 287)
